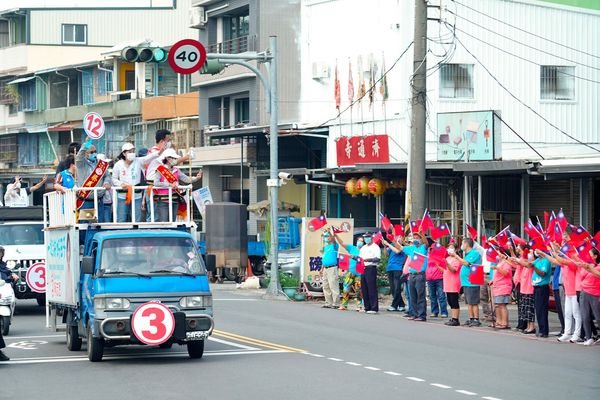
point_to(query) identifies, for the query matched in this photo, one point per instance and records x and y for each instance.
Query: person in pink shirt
(521, 324)
(434, 278)
(451, 282)
(502, 287)
(526, 304)
(589, 300)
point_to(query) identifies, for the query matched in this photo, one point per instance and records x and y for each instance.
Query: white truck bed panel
(62, 266)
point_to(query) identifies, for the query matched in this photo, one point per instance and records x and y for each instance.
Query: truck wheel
(73, 339)
(5, 325)
(230, 274)
(41, 300)
(195, 349)
(95, 347)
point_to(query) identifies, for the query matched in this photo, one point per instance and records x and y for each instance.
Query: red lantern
(362, 186)
(351, 187)
(376, 187)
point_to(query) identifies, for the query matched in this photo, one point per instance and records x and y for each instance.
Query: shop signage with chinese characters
(362, 149)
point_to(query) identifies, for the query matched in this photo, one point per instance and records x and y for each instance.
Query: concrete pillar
(253, 197)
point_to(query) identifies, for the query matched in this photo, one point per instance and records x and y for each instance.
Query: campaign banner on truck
(62, 266)
(312, 243)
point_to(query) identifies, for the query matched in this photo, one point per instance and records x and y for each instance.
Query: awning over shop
(20, 80)
(576, 167)
(66, 126)
(493, 167)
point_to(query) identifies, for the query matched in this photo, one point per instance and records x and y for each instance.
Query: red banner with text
(362, 149)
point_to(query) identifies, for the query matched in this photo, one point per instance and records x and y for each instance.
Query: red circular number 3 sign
(93, 125)
(153, 323)
(36, 277)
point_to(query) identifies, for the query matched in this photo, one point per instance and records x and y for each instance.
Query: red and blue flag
(476, 276)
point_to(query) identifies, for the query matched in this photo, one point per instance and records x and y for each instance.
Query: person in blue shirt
(66, 178)
(416, 282)
(557, 299)
(352, 277)
(471, 291)
(329, 271)
(542, 275)
(395, 265)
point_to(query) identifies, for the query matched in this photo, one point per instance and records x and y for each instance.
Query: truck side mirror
(87, 265)
(211, 263)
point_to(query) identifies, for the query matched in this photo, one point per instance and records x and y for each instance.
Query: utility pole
(416, 170)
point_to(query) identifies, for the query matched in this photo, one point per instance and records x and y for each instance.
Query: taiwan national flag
(472, 232)
(561, 219)
(517, 240)
(416, 262)
(537, 243)
(476, 274)
(531, 230)
(398, 230)
(492, 255)
(595, 243)
(377, 238)
(557, 233)
(344, 262)
(414, 226)
(360, 266)
(317, 223)
(565, 248)
(438, 254)
(579, 234)
(583, 251)
(503, 236)
(440, 231)
(426, 222)
(386, 224)
(551, 223)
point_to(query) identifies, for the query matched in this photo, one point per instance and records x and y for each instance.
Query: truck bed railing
(60, 209)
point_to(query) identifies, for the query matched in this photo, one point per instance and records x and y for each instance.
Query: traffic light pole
(272, 107)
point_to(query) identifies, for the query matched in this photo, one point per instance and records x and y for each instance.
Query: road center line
(466, 392)
(392, 373)
(373, 369)
(334, 359)
(490, 398)
(354, 364)
(413, 378)
(228, 343)
(441, 386)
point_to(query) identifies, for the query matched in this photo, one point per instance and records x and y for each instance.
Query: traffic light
(144, 54)
(212, 67)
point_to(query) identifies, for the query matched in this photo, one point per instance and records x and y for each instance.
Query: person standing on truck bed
(86, 161)
(17, 196)
(168, 175)
(127, 173)
(7, 276)
(163, 140)
(71, 151)
(66, 178)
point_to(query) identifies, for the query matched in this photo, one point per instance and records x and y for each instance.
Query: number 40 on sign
(187, 56)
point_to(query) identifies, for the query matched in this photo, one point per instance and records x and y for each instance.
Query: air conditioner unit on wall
(320, 70)
(198, 17)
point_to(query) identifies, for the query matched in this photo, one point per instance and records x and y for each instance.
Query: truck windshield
(11, 235)
(150, 256)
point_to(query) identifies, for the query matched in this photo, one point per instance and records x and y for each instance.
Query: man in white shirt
(163, 141)
(370, 253)
(16, 196)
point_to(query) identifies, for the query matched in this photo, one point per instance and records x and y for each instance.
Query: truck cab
(100, 275)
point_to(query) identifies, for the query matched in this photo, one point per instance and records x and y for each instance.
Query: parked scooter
(7, 306)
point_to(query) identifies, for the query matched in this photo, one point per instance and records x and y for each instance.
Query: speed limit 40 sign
(153, 323)
(187, 56)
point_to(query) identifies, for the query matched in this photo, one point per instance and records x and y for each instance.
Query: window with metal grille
(557, 82)
(8, 149)
(456, 81)
(74, 34)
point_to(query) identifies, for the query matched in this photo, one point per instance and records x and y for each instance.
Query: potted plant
(289, 284)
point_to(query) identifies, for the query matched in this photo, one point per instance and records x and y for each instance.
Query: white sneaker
(371, 312)
(576, 340)
(564, 338)
(588, 342)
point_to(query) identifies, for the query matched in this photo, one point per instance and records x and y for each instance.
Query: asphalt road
(264, 349)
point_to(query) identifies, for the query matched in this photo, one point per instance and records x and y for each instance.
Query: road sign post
(187, 56)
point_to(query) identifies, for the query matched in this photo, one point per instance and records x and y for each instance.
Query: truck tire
(73, 340)
(41, 300)
(95, 347)
(5, 325)
(195, 349)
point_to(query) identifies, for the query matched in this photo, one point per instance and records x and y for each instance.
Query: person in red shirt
(526, 287)
(589, 300)
(451, 278)
(502, 287)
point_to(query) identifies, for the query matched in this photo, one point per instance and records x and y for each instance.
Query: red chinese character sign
(362, 149)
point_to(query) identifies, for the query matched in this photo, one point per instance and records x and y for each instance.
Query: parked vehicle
(123, 278)
(22, 236)
(7, 306)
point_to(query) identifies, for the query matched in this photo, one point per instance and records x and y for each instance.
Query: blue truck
(125, 283)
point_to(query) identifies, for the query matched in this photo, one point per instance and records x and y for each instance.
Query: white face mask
(130, 156)
(451, 250)
(168, 145)
(462, 247)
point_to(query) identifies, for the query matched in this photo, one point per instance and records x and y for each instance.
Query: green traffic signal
(160, 55)
(212, 67)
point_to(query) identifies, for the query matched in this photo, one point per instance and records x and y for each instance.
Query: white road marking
(412, 378)
(392, 373)
(334, 359)
(373, 369)
(466, 392)
(27, 345)
(315, 355)
(228, 343)
(9, 338)
(234, 300)
(441, 386)
(42, 360)
(491, 398)
(353, 364)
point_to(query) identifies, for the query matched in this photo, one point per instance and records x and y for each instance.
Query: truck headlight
(11, 264)
(196, 302)
(114, 303)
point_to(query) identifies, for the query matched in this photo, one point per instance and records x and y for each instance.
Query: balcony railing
(234, 46)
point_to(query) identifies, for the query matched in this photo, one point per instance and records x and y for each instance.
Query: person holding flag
(417, 265)
(329, 271)
(451, 282)
(168, 175)
(353, 275)
(435, 279)
(542, 274)
(502, 287)
(471, 290)
(370, 253)
(590, 293)
(396, 259)
(524, 258)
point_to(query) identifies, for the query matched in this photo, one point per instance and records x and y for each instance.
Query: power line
(523, 58)
(519, 136)
(520, 101)
(525, 44)
(525, 31)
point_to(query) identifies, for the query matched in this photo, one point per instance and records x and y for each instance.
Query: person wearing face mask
(525, 258)
(590, 294)
(161, 184)
(542, 274)
(451, 280)
(502, 286)
(396, 259)
(370, 254)
(16, 195)
(352, 277)
(472, 292)
(127, 172)
(86, 161)
(163, 138)
(416, 281)
(329, 271)
(66, 178)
